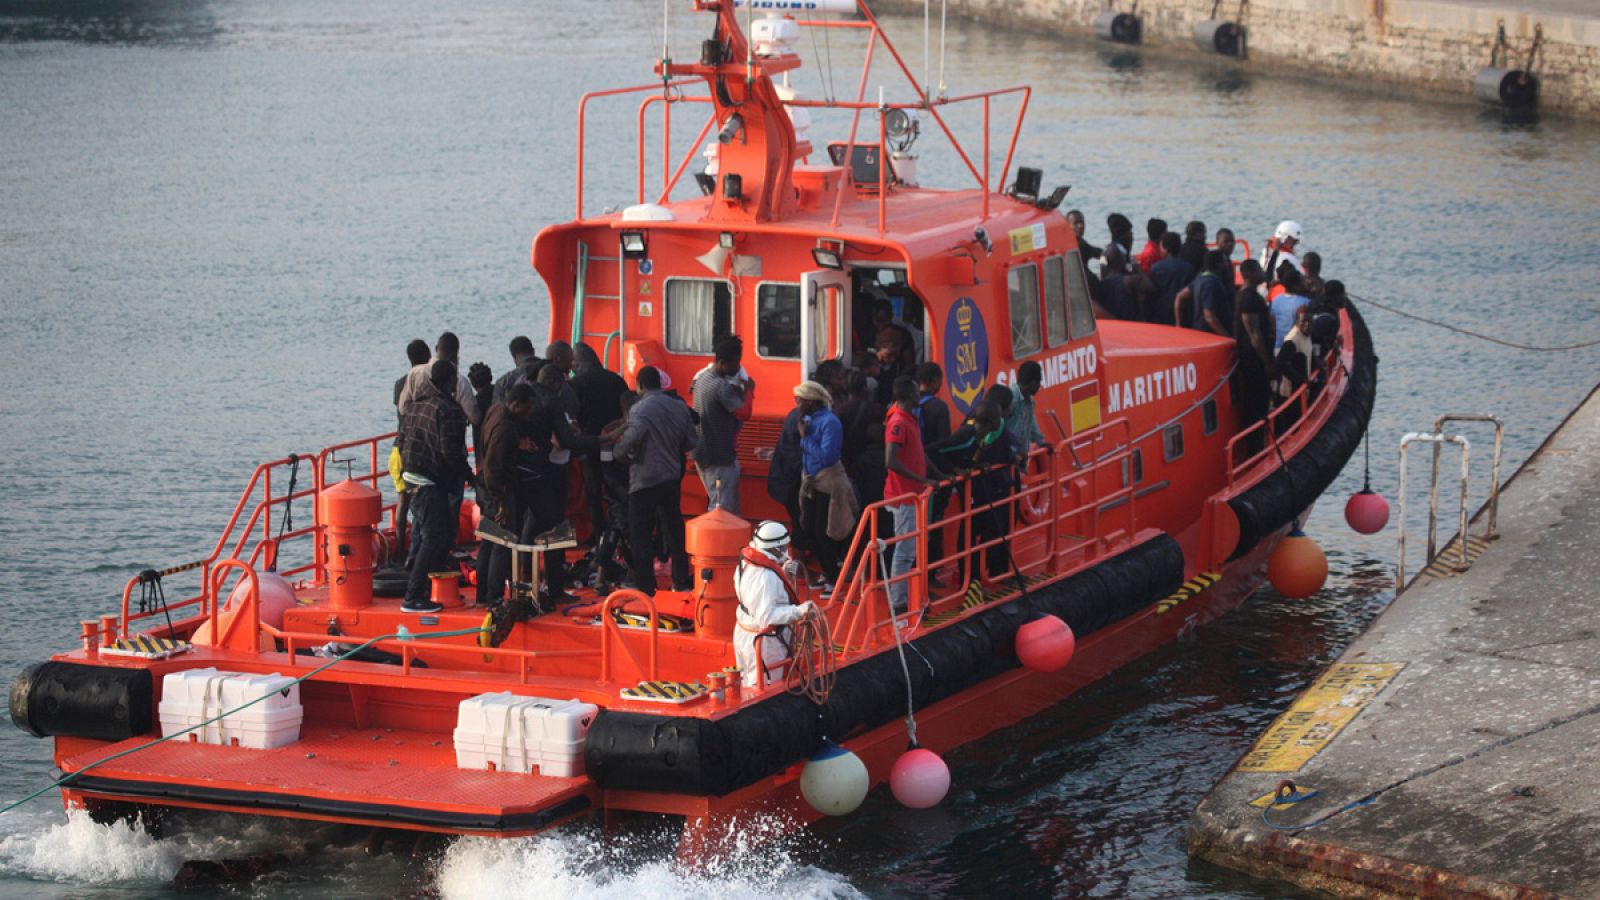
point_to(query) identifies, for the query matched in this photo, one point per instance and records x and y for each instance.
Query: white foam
(83, 852)
(571, 864)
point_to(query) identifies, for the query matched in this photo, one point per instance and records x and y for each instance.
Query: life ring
(1034, 507)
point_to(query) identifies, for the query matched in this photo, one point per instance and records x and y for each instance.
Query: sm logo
(966, 354)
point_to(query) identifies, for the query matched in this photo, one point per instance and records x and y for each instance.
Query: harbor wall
(1435, 46)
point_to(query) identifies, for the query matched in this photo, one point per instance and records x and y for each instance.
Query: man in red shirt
(1152, 252)
(907, 478)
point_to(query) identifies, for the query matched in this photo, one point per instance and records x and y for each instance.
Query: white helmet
(770, 535)
(1288, 230)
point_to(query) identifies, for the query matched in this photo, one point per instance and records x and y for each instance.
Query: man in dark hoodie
(524, 368)
(433, 446)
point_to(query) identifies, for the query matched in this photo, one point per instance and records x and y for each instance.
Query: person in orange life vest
(768, 604)
(1282, 248)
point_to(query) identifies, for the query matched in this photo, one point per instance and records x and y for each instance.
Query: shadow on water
(157, 23)
(1120, 59)
(1510, 120)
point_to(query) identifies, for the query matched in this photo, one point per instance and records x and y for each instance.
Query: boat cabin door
(825, 310)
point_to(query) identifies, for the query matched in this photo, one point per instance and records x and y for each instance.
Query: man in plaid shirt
(433, 447)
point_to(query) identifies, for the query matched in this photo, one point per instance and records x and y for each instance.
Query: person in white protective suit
(768, 605)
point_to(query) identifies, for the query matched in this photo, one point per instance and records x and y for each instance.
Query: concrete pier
(1432, 46)
(1452, 746)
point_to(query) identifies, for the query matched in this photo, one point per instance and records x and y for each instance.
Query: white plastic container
(511, 733)
(195, 695)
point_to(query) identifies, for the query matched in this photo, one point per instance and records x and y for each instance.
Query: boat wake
(579, 862)
(81, 851)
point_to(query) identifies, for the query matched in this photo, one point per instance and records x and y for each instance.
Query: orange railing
(672, 91)
(1071, 489)
(238, 536)
(250, 538)
(1309, 410)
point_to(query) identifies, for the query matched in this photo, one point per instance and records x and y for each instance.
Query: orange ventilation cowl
(714, 541)
(350, 512)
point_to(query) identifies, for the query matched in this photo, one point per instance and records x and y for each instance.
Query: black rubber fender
(690, 755)
(74, 700)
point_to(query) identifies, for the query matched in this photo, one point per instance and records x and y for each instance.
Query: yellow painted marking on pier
(1444, 565)
(1318, 716)
(1191, 588)
(1266, 800)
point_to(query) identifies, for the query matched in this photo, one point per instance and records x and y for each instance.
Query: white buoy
(834, 781)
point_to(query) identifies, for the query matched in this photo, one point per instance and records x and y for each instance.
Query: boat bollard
(718, 683)
(735, 684)
(108, 630)
(91, 637)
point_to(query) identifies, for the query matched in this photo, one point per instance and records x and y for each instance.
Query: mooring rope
(1476, 334)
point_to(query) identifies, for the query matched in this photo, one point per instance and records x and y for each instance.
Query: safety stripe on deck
(144, 646)
(1190, 588)
(665, 691)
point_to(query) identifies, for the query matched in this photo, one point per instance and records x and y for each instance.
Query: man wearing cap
(827, 501)
(768, 604)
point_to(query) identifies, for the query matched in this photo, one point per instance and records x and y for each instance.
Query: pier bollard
(1123, 28)
(1512, 88)
(1217, 36)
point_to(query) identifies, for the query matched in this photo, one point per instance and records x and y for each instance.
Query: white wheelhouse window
(698, 312)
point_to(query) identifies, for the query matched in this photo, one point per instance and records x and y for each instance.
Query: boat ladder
(1467, 548)
(581, 293)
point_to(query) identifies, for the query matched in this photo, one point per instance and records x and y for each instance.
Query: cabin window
(1172, 441)
(1022, 284)
(1055, 300)
(1208, 416)
(1133, 468)
(778, 321)
(699, 311)
(827, 324)
(1079, 306)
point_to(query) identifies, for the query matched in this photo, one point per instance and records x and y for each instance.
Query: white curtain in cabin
(691, 315)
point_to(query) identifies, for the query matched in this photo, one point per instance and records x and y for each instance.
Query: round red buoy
(1297, 567)
(1367, 512)
(275, 593)
(919, 779)
(1045, 644)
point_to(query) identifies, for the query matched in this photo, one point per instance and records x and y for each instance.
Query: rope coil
(813, 669)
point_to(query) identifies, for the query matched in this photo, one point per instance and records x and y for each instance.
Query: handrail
(1309, 410)
(608, 625)
(234, 541)
(251, 601)
(261, 476)
(672, 91)
(862, 587)
(294, 641)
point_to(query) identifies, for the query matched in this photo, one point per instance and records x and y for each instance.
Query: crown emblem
(964, 316)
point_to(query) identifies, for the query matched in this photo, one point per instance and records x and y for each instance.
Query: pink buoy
(1046, 644)
(1367, 512)
(919, 779)
(1297, 568)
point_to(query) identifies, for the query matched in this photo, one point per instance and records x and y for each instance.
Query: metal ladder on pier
(1467, 548)
(581, 293)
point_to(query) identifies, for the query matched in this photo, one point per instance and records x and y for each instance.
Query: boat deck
(404, 778)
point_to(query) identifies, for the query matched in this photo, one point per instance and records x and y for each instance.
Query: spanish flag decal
(1085, 399)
